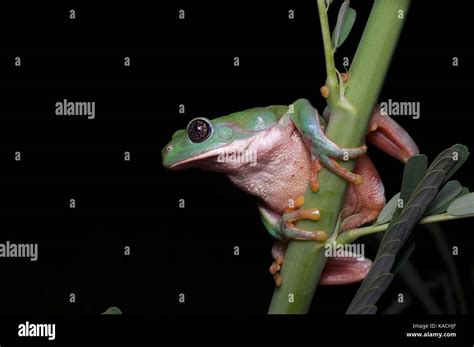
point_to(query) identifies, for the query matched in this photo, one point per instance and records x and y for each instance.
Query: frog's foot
(287, 229)
(332, 150)
(390, 137)
(345, 270)
(338, 270)
(278, 253)
(315, 168)
(328, 160)
(342, 172)
(365, 215)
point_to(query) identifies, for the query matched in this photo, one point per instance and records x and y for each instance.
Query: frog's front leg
(306, 119)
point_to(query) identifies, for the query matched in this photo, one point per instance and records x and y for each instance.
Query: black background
(135, 203)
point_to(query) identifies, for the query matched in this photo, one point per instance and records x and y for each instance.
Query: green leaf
(389, 209)
(462, 153)
(403, 256)
(401, 227)
(447, 194)
(464, 191)
(112, 310)
(462, 206)
(415, 170)
(345, 21)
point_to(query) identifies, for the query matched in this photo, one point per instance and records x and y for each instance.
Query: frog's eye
(199, 129)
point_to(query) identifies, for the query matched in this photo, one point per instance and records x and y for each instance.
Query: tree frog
(274, 152)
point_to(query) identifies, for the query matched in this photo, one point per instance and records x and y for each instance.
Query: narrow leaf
(415, 170)
(401, 226)
(387, 212)
(447, 194)
(404, 255)
(345, 21)
(112, 310)
(461, 153)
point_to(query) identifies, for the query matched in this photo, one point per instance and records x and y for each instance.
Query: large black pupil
(199, 130)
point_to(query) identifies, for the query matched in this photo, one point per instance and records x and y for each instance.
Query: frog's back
(255, 119)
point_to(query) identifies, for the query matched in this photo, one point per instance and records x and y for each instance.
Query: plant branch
(305, 260)
(331, 79)
(350, 236)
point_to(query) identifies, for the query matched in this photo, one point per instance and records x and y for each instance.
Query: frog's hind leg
(283, 229)
(278, 254)
(390, 137)
(338, 270)
(363, 202)
(345, 270)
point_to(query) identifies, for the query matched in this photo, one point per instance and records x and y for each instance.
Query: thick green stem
(305, 260)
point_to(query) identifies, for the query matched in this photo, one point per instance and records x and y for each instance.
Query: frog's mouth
(215, 159)
(198, 160)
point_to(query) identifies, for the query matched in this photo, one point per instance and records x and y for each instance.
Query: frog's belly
(281, 174)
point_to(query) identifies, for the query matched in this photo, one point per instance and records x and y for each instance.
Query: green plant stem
(351, 235)
(331, 76)
(305, 260)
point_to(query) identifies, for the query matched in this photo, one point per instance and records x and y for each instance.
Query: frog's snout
(165, 154)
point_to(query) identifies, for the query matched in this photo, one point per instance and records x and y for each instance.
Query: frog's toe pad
(275, 271)
(276, 266)
(358, 179)
(278, 279)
